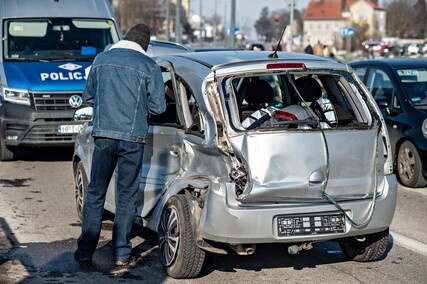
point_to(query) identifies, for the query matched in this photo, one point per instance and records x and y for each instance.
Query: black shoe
(126, 262)
(82, 258)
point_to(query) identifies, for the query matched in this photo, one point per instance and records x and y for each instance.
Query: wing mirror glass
(382, 103)
(83, 114)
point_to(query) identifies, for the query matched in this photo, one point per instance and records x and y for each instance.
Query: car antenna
(274, 54)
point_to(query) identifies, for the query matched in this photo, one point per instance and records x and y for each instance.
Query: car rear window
(296, 101)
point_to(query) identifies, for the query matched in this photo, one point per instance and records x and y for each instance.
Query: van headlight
(424, 128)
(16, 96)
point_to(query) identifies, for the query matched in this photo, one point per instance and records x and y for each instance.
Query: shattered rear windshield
(297, 101)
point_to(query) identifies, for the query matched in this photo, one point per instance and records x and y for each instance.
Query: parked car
(255, 46)
(413, 49)
(399, 86)
(258, 149)
(161, 47)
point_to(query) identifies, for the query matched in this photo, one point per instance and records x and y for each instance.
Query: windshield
(57, 38)
(414, 82)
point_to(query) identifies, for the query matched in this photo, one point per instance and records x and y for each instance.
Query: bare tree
(420, 18)
(152, 13)
(403, 18)
(360, 34)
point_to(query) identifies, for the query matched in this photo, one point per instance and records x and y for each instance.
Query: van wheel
(81, 184)
(409, 166)
(179, 253)
(6, 153)
(365, 248)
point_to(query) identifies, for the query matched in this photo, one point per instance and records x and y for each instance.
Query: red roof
(331, 9)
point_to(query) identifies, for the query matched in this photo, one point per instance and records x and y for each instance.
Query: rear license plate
(68, 129)
(299, 225)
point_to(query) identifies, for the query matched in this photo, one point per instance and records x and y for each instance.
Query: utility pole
(215, 25)
(200, 24)
(292, 5)
(168, 20)
(178, 21)
(233, 22)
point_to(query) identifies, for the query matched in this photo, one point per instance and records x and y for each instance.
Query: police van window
(57, 38)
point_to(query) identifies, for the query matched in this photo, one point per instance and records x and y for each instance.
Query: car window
(170, 116)
(414, 82)
(360, 72)
(276, 99)
(380, 86)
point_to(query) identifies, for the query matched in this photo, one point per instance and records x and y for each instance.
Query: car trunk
(290, 166)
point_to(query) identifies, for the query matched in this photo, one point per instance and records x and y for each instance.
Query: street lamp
(178, 21)
(292, 5)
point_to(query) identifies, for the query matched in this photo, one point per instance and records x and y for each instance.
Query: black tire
(409, 166)
(179, 253)
(371, 248)
(6, 153)
(81, 183)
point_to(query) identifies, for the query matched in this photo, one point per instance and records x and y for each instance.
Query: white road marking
(409, 243)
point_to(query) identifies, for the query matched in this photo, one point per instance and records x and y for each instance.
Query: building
(325, 19)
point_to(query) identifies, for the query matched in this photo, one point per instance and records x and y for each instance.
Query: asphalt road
(39, 227)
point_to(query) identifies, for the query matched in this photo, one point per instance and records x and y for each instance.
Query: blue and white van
(47, 49)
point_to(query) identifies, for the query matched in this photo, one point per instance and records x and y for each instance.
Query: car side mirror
(382, 103)
(83, 114)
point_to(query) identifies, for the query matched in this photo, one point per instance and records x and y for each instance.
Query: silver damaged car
(255, 148)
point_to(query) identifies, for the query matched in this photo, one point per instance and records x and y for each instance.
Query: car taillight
(280, 114)
(285, 65)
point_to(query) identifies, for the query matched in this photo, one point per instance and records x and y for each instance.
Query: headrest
(259, 91)
(308, 88)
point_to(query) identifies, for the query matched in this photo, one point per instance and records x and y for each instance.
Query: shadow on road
(52, 154)
(53, 262)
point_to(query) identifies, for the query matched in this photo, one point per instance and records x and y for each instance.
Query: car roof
(215, 58)
(161, 47)
(394, 63)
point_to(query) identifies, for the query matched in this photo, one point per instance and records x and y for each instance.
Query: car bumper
(223, 223)
(23, 126)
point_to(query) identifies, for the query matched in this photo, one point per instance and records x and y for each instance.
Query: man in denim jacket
(124, 86)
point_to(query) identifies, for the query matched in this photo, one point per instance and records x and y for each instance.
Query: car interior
(319, 96)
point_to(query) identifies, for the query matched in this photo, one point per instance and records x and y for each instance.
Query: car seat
(258, 94)
(310, 91)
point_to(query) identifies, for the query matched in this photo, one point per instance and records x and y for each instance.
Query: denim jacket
(124, 85)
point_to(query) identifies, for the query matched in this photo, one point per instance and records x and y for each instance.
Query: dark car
(399, 86)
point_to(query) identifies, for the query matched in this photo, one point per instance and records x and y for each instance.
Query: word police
(60, 76)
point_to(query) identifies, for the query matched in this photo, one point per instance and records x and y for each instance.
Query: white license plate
(68, 129)
(301, 225)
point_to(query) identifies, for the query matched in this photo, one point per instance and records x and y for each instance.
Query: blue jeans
(108, 154)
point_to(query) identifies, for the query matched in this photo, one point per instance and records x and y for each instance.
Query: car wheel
(6, 153)
(365, 248)
(179, 253)
(409, 166)
(81, 188)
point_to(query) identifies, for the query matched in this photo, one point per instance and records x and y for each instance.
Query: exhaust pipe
(244, 249)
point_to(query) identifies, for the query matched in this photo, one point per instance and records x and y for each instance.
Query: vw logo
(75, 101)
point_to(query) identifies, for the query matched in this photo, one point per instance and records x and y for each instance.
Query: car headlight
(424, 128)
(16, 96)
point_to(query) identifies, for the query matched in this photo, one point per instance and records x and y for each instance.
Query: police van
(47, 49)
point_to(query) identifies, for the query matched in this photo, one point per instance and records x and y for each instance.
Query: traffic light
(276, 18)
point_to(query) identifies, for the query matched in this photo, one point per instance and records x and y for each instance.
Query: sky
(247, 11)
